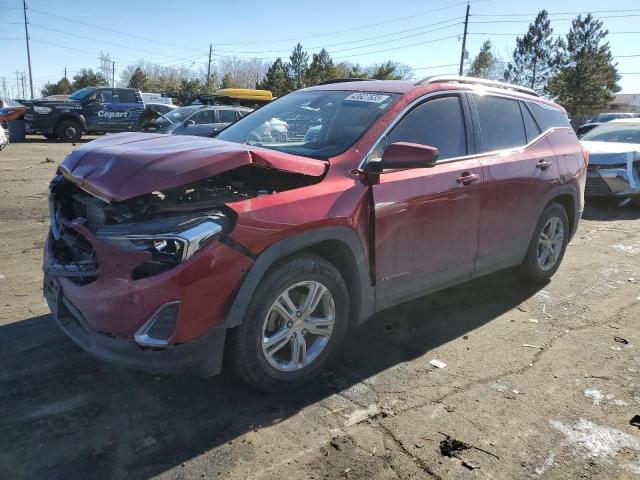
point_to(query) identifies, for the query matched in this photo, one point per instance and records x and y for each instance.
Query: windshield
(318, 123)
(82, 93)
(607, 117)
(621, 132)
(11, 103)
(178, 115)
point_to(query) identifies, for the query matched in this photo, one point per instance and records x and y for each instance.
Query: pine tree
(228, 81)
(139, 80)
(587, 79)
(386, 71)
(277, 79)
(321, 68)
(61, 87)
(485, 65)
(536, 56)
(298, 66)
(88, 78)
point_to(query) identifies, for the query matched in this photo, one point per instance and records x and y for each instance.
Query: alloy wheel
(550, 244)
(298, 326)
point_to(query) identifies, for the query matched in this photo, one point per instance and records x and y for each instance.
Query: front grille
(596, 186)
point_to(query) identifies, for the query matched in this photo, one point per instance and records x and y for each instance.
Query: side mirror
(188, 123)
(406, 155)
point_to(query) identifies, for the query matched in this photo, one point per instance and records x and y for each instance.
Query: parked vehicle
(200, 120)
(614, 160)
(155, 98)
(166, 250)
(244, 97)
(148, 120)
(11, 110)
(602, 118)
(89, 110)
(4, 138)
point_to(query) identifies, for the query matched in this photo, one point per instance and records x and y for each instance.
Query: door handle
(467, 178)
(543, 164)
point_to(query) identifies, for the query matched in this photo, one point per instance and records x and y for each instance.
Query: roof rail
(476, 81)
(344, 80)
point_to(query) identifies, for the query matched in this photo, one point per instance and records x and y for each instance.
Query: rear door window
(438, 123)
(501, 122)
(203, 116)
(127, 96)
(226, 116)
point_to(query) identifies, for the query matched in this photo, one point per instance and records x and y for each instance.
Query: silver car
(614, 160)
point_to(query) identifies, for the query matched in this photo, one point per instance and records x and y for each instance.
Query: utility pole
(464, 39)
(113, 74)
(65, 72)
(209, 68)
(26, 33)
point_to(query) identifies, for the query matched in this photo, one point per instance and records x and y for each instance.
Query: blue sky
(421, 33)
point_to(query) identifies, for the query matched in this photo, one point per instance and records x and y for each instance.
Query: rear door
(519, 169)
(426, 219)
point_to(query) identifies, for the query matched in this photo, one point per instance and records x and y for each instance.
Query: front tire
(69, 131)
(548, 244)
(295, 320)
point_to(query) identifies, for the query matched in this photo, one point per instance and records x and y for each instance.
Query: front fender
(290, 245)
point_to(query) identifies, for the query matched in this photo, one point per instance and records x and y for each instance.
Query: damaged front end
(139, 256)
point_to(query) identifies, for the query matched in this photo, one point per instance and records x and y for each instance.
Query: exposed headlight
(42, 110)
(170, 247)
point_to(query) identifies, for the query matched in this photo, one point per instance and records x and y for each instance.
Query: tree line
(577, 70)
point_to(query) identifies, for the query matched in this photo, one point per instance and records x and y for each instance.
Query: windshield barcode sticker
(367, 97)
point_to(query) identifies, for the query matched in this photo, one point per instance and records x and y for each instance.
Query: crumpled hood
(123, 166)
(608, 153)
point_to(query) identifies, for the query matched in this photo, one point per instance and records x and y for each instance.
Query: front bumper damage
(613, 174)
(161, 321)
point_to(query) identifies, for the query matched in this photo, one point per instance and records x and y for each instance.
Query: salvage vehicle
(11, 110)
(614, 160)
(602, 118)
(200, 120)
(89, 110)
(148, 119)
(165, 251)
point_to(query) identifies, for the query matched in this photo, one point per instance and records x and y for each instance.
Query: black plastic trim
(290, 245)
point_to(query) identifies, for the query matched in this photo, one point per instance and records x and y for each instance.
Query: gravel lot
(536, 384)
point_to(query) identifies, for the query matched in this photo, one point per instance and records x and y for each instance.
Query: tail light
(585, 155)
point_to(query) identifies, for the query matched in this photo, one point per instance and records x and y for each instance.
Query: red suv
(166, 250)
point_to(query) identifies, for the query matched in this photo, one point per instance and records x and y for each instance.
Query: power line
(552, 19)
(93, 25)
(398, 47)
(351, 29)
(557, 13)
(317, 47)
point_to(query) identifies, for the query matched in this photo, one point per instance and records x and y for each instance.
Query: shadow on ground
(607, 209)
(65, 415)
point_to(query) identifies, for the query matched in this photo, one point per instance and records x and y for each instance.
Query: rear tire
(268, 364)
(548, 244)
(69, 131)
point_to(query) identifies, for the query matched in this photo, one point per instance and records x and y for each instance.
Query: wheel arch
(568, 198)
(338, 245)
(75, 118)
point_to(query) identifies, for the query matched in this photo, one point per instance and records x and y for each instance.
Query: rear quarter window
(501, 122)
(547, 116)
